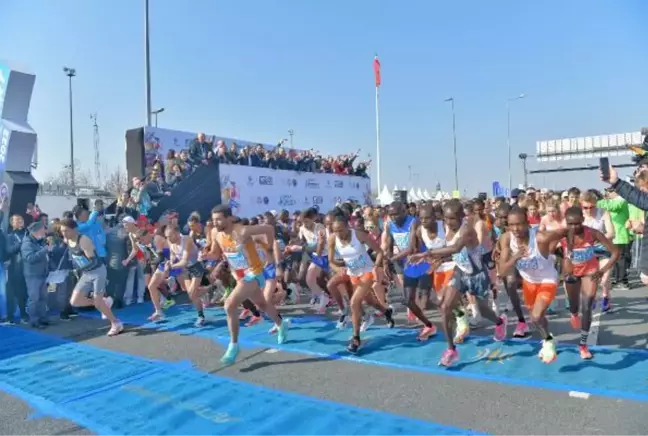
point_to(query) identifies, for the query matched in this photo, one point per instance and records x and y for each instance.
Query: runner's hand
(614, 177)
(417, 258)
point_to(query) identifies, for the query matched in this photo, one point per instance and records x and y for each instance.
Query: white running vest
(534, 268)
(354, 256)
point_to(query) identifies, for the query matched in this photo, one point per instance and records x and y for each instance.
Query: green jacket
(619, 213)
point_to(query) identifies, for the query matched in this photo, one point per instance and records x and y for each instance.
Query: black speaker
(400, 196)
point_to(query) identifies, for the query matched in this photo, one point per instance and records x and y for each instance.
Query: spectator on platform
(171, 160)
(200, 150)
(174, 177)
(34, 252)
(91, 225)
(125, 206)
(140, 197)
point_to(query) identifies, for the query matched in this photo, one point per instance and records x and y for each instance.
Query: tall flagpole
(378, 137)
(378, 78)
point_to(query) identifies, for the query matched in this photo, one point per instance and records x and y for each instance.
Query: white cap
(128, 220)
(273, 212)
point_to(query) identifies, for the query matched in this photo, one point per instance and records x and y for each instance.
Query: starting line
(616, 373)
(114, 393)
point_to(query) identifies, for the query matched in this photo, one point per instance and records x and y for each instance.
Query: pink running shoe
(426, 333)
(448, 358)
(500, 330)
(411, 318)
(253, 321)
(245, 314)
(521, 330)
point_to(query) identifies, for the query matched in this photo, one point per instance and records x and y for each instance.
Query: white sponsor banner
(587, 147)
(251, 191)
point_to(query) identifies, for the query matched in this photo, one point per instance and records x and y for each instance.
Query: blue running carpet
(612, 372)
(114, 393)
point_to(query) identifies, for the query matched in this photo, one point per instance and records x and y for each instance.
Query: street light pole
(454, 139)
(71, 72)
(156, 112)
(147, 61)
(508, 137)
(523, 157)
(291, 132)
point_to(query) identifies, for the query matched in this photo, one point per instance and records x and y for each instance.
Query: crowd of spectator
(170, 170)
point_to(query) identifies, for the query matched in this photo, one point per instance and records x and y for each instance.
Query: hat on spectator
(35, 226)
(128, 220)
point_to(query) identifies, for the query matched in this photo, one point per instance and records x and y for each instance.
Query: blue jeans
(36, 299)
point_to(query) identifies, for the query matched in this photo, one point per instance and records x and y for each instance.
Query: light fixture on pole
(508, 137)
(156, 112)
(71, 72)
(523, 157)
(454, 140)
(291, 132)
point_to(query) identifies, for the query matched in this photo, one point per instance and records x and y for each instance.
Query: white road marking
(592, 339)
(580, 395)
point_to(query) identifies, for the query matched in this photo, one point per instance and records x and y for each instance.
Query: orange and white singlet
(534, 267)
(243, 258)
(582, 257)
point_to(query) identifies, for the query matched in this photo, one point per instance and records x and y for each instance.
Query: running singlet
(311, 236)
(534, 268)
(438, 242)
(80, 261)
(597, 223)
(401, 234)
(465, 259)
(355, 256)
(582, 255)
(179, 249)
(243, 258)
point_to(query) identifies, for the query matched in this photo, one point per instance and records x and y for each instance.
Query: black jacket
(13, 243)
(640, 199)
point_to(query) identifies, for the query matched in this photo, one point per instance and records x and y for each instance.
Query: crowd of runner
(352, 256)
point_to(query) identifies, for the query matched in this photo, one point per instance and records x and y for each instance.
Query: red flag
(376, 66)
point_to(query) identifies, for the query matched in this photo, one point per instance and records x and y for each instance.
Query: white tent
(438, 196)
(420, 195)
(395, 188)
(426, 195)
(385, 197)
(413, 196)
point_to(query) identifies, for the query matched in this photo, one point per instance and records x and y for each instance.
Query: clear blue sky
(254, 69)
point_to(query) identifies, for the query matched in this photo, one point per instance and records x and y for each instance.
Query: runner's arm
(609, 227)
(134, 250)
(321, 241)
(466, 236)
(333, 262)
(258, 230)
(613, 249)
(215, 252)
(364, 238)
(507, 261)
(87, 246)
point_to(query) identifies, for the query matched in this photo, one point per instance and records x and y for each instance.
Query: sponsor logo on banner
(4, 144)
(291, 183)
(328, 184)
(312, 184)
(262, 200)
(317, 200)
(265, 180)
(287, 200)
(338, 184)
(250, 181)
(306, 201)
(4, 191)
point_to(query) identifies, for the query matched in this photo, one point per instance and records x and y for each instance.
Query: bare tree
(82, 178)
(116, 181)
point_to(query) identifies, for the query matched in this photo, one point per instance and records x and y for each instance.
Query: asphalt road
(492, 407)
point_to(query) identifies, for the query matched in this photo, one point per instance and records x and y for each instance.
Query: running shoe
(354, 345)
(275, 328)
(109, 302)
(584, 352)
(449, 358)
(389, 316)
(245, 314)
(253, 321)
(426, 333)
(341, 322)
(462, 329)
(367, 322)
(548, 351)
(521, 330)
(230, 355)
(282, 332)
(411, 318)
(606, 305)
(168, 303)
(500, 330)
(157, 317)
(116, 329)
(200, 322)
(575, 321)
